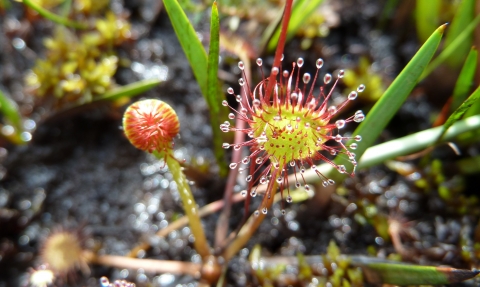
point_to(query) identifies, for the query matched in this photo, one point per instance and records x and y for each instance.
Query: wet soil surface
(80, 173)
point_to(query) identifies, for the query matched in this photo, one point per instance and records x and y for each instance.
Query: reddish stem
(251, 226)
(280, 47)
(222, 223)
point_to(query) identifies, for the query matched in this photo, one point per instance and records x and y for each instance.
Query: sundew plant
(290, 129)
(294, 144)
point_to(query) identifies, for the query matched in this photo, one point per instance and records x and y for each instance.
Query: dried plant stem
(222, 224)
(149, 265)
(189, 205)
(182, 221)
(252, 224)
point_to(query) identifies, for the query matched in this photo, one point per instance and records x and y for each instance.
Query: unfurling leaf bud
(151, 125)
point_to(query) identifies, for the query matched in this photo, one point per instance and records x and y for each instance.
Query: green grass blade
(463, 17)
(214, 96)
(465, 79)
(386, 107)
(458, 113)
(53, 17)
(415, 142)
(191, 45)
(9, 109)
(426, 18)
(474, 110)
(452, 48)
(129, 90)
(378, 271)
(197, 57)
(302, 9)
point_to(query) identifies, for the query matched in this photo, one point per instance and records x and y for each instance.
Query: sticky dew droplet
(340, 124)
(319, 63)
(332, 110)
(327, 79)
(306, 78)
(341, 74)
(352, 96)
(300, 62)
(341, 168)
(259, 62)
(293, 96)
(241, 65)
(361, 88)
(359, 117)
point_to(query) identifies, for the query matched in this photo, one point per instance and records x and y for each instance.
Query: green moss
(79, 66)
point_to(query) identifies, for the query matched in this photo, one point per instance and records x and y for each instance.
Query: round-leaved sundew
(151, 125)
(291, 128)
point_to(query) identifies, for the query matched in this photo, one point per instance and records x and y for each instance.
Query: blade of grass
(129, 90)
(458, 113)
(462, 18)
(452, 48)
(197, 57)
(465, 79)
(426, 18)
(9, 109)
(214, 96)
(302, 9)
(53, 17)
(415, 142)
(191, 45)
(389, 272)
(386, 107)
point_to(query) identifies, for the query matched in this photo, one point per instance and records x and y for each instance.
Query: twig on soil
(149, 265)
